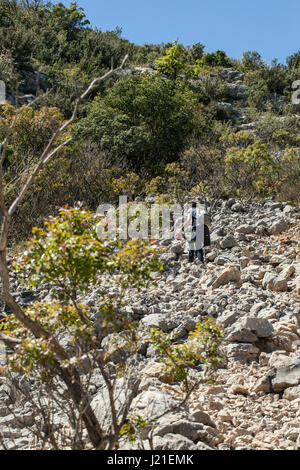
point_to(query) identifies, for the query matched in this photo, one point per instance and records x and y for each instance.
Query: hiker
(197, 236)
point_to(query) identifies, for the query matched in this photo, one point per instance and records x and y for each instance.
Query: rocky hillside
(251, 286)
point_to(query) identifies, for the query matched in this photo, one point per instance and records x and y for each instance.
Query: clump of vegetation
(142, 121)
(251, 171)
(202, 348)
(136, 124)
(171, 130)
(60, 345)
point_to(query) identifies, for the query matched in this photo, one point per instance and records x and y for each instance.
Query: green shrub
(288, 189)
(252, 171)
(293, 61)
(59, 344)
(266, 82)
(252, 61)
(217, 59)
(202, 348)
(174, 62)
(205, 167)
(210, 89)
(278, 132)
(143, 121)
(241, 139)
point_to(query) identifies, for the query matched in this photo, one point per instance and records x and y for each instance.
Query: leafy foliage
(142, 120)
(217, 59)
(251, 171)
(143, 123)
(293, 61)
(251, 61)
(69, 255)
(59, 343)
(175, 62)
(201, 348)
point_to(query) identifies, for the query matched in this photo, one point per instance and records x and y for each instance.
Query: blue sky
(269, 26)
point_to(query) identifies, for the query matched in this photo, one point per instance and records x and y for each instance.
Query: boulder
(160, 321)
(116, 347)
(6, 395)
(166, 242)
(225, 416)
(230, 274)
(241, 352)
(264, 384)
(273, 205)
(268, 280)
(276, 260)
(231, 75)
(280, 285)
(236, 334)
(238, 92)
(228, 318)
(287, 375)
(238, 389)
(261, 327)
(278, 358)
(228, 242)
(202, 417)
(155, 370)
(178, 248)
(292, 393)
(244, 261)
(149, 404)
(279, 226)
(237, 207)
(268, 313)
(287, 272)
(185, 428)
(191, 430)
(101, 404)
(274, 283)
(246, 229)
(174, 442)
(288, 210)
(154, 403)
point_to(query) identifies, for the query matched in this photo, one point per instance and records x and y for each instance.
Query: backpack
(207, 241)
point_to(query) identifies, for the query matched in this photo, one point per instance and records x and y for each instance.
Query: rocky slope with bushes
(226, 126)
(250, 286)
(176, 124)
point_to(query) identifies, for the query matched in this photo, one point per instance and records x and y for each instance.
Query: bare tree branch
(47, 154)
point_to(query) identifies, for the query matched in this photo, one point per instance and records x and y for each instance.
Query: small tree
(174, 63)
(69, 257)
(58, 140)
(197, 51)
(252, 61)
(205, 168)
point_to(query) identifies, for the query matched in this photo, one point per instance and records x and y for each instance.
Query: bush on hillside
(142, 120)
